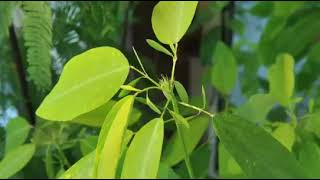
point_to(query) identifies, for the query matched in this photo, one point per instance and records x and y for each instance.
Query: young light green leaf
(96, 117)
(182, 92)
(281, 79)
(258, 153)
(88, 144)
(180, 119)
(257, 108)
(82, 169)
(88, 81)
(285, 134)
(129, 88)
(111, 150)
(152, 105)
(172, 154)
(155, 45)
(171, 19)
(15, 160)
(143, 155)
(105, 130)
(224, 70)
(132, 83)
(17, 131)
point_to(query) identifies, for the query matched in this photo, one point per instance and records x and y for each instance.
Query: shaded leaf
(17, 131)
(183, 95)
(155, 45)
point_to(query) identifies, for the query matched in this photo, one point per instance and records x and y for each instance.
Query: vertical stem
(21, 75)
(186, 156)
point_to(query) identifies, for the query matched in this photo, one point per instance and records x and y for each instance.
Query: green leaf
(183, 95)
(132, 83)
(255, 150)
(88, 81)
(180, 119)
(285, 134)
(15, 160)
(96, 117)
(173, 151)
(200, 160)
(111, 148)
(224, 70)
(105, 130)
(171, 20)
(129, 88)
(143, 155)
(228, 167)
(166, 172)
(152, 105)
(82, 169)
(308, 154)
(281, 79)
(17, 131)
(311, 123)
(88, 144)
(262, 8)
(155, 45)
(257, 108)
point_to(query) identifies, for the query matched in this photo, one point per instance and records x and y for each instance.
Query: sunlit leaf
(143, 155)
(111, 148)
(285, 134)
(171, 20)
(88, 81)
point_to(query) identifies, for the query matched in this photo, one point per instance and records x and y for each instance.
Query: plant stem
(196, 108)
(145, 75)
(165, 108)
(186, 155)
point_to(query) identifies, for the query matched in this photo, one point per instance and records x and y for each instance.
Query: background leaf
(17, 131)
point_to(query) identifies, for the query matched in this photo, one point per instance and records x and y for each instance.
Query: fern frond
(37, 34)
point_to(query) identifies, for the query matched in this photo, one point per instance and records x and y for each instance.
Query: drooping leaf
(88, 144)
(172, 153)
(82, 169)
(180, 119)
(255, 150)
(181, 92)
(96, 117)
(257, 108)
(228, 167)
(15, 160)
(166, 172)
(281, 79)
(155, 45)
(143, 155)
(224, 70)
(171, 20)
(88, 81)
(111, 150)
(17, 131)
(200, 160)
(130, 88)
